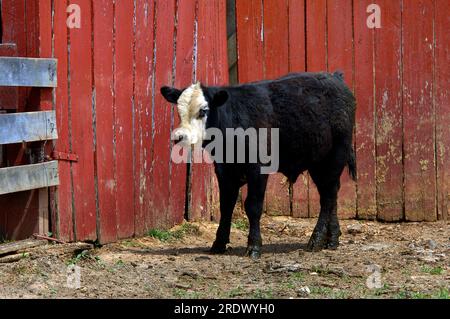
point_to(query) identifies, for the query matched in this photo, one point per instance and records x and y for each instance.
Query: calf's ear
(171, 94)
(220, 98)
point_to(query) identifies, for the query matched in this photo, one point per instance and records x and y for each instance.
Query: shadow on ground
(283, 248)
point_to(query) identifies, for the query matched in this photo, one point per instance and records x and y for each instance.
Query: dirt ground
(374, 260)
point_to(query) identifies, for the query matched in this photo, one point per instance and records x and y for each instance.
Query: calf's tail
(352, 165)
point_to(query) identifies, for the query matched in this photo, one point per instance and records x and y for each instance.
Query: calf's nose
(180, 138)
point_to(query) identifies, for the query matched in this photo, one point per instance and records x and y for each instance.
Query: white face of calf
(192, 109)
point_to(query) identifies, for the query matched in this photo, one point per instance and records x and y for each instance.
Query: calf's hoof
(316, 244)
(318, 240)
(218, 248)
(333, 245)
(253, 251)
(322, 239)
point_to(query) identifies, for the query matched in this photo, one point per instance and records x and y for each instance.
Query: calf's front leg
(229, 192)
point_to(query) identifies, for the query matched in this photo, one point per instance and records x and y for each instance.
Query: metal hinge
(60, 156)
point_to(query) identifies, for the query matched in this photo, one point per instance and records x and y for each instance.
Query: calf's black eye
(202, 113)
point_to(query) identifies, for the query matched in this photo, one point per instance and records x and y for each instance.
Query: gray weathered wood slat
(28, 72)
(27, 177)
(20, 245)
(28, 127)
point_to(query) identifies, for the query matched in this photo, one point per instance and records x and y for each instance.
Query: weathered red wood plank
(297, 36)
(33, 23)
(201, 172)
(250, 46)
(221, 78)
(183, 78)
(9, 96)
(21, 211)
(250, 40)
(276, 64)
(389, 133)
(275, 35)
(365, 112)
(161, 134)
(300, 206)
(14, 31)
(44, 49)
(63, 220)
(340, 57)
(14, 21)
(123, 125)
(143, 114)
(442, 105)
(316, 45)
(211, 69)
(420, 177)
(104, 124)
(80, 105)
(42, 41)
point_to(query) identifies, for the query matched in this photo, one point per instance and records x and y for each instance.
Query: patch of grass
(81, 256)
(25, 255)
(419, 295)
(341, 294)
(432, 270)
(241, 224)
(319, 269)
(298, 276)
(161, 235)
(235, 292)
(133, 243)
(319, 290)
(443, 293)
(293, 280)
(290, 285)
(186, 294)
(179, 233)
(129, 243)
(406, 294)
(382, 291)
(262, 294)
(186, 229)
(120, 263)
(53, 291)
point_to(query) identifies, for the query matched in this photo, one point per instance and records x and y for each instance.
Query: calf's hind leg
(326, 233)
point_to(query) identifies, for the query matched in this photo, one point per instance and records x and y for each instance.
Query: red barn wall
(399, 74)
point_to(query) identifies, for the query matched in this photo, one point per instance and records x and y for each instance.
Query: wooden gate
(116, 176)
(399, 74)
(114, 119)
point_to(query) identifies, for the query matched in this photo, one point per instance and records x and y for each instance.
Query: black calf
(315, 114)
